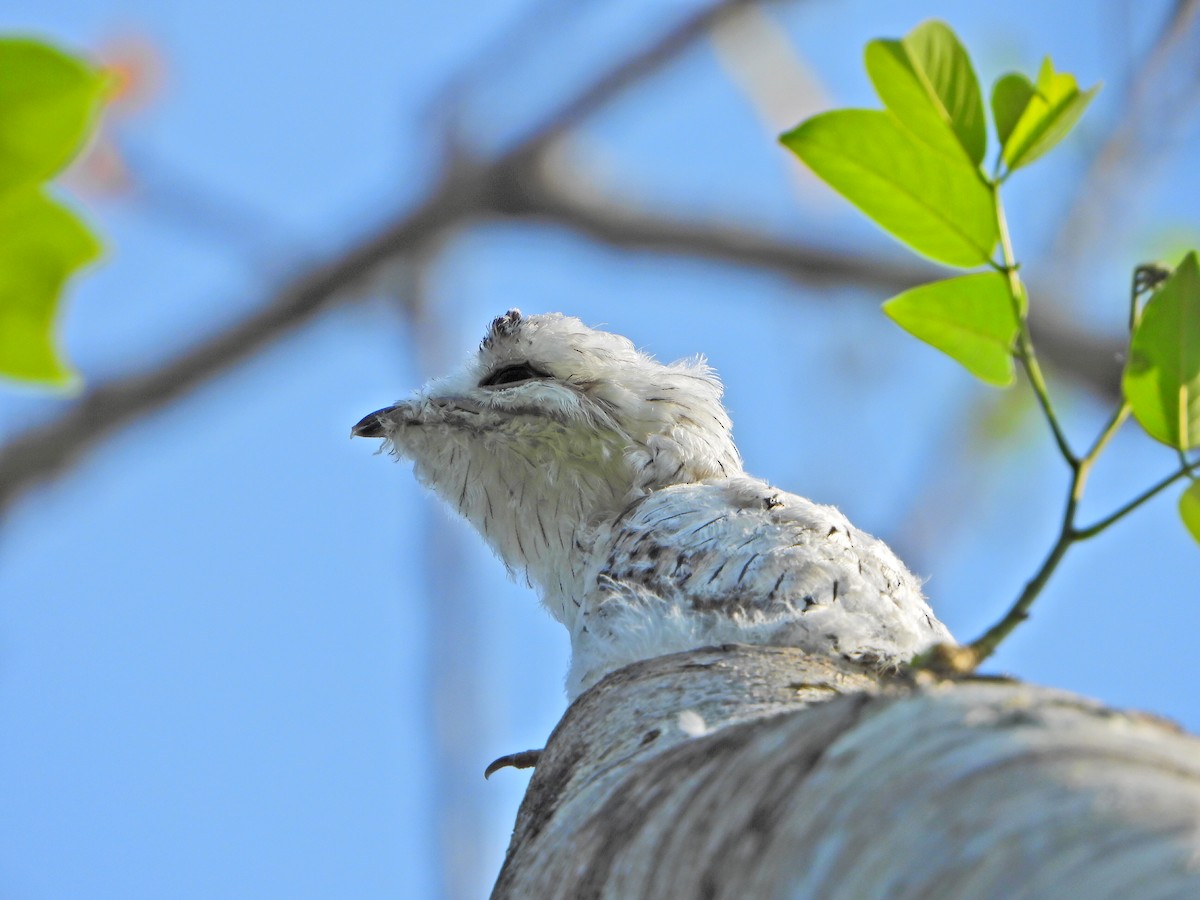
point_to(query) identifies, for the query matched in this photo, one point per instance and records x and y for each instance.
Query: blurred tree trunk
(760, 772)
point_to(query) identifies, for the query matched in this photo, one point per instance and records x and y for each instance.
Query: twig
(1188, 468)
(1024, 348)
(969, 657)
(984, 646)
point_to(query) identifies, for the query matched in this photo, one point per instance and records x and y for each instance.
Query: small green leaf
(927, 82)
(969, 318)
(41, 244)
(1048, 117)
(1189, 510)
(936, 204)
(48, 104)
(1010, 95)
(1162, 377)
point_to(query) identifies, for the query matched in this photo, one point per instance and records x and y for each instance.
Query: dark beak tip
(372, 425)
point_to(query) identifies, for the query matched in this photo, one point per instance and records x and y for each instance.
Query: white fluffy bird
(612, 482)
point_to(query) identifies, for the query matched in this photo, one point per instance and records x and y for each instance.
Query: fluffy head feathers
(552, 425)
(538, 376)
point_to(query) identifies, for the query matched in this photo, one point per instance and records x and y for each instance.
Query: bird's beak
(373, 425)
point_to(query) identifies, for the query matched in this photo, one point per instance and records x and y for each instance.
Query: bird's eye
(512, 375)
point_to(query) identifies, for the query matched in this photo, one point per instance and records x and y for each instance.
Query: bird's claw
(526, 759)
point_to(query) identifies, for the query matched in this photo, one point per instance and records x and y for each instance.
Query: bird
(612, 483)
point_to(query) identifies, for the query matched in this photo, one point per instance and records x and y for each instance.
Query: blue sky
(217, 675)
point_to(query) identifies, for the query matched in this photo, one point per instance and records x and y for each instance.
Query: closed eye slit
(512, 375)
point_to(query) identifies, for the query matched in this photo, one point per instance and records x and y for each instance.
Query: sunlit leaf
(1189, 510)
(936, 204)
(970, 318)
(1049, 115)
(927, 82)
(1010, 95)
(1162, 377)
(48, 104)
(41, 244)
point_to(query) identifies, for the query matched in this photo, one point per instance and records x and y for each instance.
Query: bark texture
(759, 772)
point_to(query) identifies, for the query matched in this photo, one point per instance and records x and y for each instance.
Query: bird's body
(612, 482)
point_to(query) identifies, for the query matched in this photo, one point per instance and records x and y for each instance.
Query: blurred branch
(1091, 361)
(515, 184)
(47, 449)
(1148, 113)
(203, 210)
(446, 102)
(511, 191)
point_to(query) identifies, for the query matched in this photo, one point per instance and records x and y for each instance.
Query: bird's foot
(526, 759)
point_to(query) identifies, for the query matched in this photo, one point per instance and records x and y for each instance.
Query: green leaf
(1162, 377)
(969, 318)
(1047, 118)
(48, 104)
(1189, 510)
(937, 205)
(927, 82)
(1010, 95)
(41, 244)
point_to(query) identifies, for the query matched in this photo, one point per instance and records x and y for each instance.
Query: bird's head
(547, 386)
(555, 415)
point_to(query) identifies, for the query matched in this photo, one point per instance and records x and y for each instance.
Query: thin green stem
(1085, 464)
(985, 645)
(1114, 424)
(1024, 348)
(1188, 464)
(1082, 534)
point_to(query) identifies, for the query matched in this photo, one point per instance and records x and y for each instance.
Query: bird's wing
(737, 560)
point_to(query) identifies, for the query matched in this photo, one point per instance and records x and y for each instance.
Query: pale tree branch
(742, 771)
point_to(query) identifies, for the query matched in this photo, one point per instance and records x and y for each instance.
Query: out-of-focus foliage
(49, 105)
